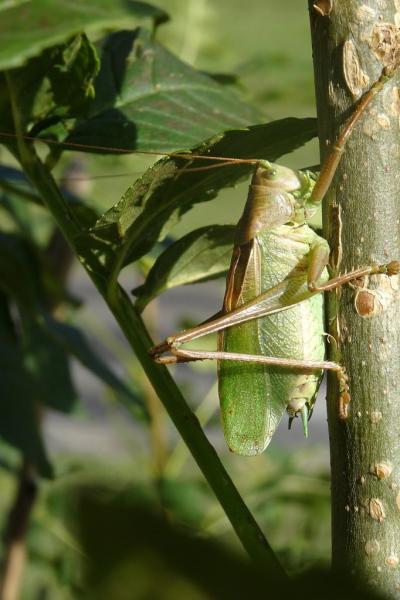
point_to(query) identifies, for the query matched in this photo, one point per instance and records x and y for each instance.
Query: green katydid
(271, 328)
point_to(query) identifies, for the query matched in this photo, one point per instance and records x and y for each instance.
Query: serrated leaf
(199, 256)
(29, 28)
(19, 403)
(148, 99)
(156, 201)
(73, 341)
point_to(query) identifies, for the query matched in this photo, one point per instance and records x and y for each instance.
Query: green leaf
(18, 273)
(14, 182)
(31, 27)
(126, 542)
(27, 275)
(73, 341)
(156, 201)
(56, 84)
(47, 343)
(48, 364)
(148, 99)
(19, 402)
(199, 256)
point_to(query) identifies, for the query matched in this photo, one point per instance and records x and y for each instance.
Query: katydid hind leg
(183, 355)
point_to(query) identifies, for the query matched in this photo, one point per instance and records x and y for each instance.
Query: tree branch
(352, 42)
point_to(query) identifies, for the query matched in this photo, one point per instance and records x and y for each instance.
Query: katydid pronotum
(271, 329)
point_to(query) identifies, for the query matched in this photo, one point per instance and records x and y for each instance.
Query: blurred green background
(266, 47)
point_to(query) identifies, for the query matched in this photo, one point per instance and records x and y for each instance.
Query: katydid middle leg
(281, 297)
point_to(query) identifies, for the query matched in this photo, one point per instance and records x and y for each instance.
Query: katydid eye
(271, 173)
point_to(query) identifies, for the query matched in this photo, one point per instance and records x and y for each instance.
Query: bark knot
(385, 43)
(376, 510)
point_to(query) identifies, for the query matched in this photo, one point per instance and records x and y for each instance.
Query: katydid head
(277, 177)
(290, 187)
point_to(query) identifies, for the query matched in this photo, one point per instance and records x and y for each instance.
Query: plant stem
(351, 44)
(189, 427)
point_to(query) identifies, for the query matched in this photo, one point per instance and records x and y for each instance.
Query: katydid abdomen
(254, 397)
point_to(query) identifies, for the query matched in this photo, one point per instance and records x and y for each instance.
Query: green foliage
(95, 536)
(68, 524)
(41, 348)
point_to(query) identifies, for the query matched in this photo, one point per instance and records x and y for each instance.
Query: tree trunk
(352, 42)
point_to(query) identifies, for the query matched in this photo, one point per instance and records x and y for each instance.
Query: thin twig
(15, 535)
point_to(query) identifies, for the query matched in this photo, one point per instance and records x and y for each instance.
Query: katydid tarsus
(271, 328)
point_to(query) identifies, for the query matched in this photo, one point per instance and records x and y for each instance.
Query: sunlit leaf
(57, 84)
(199, 256)
(34, 25)
(148, 99)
